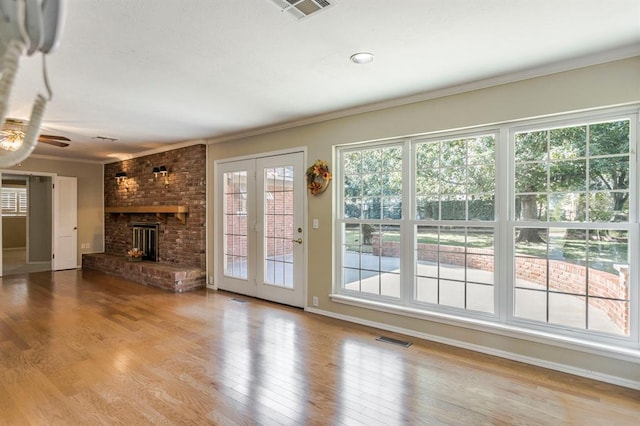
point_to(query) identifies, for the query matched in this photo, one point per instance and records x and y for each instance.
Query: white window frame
(408, 223)
(19, 201)
(631, 226)
(406, 203)
(503, 320)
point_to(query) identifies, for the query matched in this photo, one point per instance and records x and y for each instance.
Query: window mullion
(504, 249)
(407, 229)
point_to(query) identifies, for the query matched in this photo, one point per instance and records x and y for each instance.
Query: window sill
(628, 354)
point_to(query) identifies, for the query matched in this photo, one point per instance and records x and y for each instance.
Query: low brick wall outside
(563, 276)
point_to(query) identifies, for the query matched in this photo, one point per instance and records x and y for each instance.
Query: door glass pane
(235, 224)
(278, 223)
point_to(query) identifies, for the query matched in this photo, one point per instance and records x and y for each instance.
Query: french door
(260, 232)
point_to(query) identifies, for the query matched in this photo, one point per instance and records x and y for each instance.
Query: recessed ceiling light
(362, 57)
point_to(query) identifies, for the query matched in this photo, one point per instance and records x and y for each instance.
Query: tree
(611, 173)
(373, 183)
(551, 174)
(531, 180)
(455, 179)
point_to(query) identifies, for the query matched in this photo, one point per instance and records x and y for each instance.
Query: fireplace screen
(145, 238)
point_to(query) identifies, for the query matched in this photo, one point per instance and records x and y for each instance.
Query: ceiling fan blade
(55, 138)
(53, 142)
(12, 124)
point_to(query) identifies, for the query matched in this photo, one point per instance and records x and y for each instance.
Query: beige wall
(14, 232)
(90, 196)
(591, 87)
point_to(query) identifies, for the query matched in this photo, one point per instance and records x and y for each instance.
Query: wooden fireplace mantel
(180, 212)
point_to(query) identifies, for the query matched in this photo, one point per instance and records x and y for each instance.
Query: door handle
(299, 240)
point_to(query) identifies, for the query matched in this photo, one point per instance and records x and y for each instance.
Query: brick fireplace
(174, 205)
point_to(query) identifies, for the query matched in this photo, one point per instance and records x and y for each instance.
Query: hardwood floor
(86, 348)
(14, 261)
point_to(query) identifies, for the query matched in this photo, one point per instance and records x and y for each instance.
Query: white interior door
(65, 223)
(260, 228)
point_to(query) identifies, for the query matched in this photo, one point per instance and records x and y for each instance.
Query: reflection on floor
(85, 348)
(14, 262)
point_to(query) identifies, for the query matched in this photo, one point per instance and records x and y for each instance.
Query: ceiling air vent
(301, 9)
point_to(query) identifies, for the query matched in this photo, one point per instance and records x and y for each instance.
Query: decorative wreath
(318, 177)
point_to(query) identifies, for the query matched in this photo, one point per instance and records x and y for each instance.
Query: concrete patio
(530, 303)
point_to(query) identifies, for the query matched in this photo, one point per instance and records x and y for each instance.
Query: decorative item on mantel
(318, 177)
(135, 255)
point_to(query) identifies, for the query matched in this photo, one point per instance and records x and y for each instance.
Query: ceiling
(150, 73)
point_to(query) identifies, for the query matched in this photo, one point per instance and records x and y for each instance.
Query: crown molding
(59, 158)
(170, 147)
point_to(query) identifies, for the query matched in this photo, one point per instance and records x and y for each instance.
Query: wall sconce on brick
(162, 171)
(121, 177)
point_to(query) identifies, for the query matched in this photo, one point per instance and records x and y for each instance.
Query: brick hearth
(172, 277)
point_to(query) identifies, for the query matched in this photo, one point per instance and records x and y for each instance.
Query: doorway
(260, 231)
(26, 223)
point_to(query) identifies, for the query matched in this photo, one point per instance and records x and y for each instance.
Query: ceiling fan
(27, 26)
(13, 131)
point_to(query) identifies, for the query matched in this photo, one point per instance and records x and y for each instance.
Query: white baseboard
(564, 368)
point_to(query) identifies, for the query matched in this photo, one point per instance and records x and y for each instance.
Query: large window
(14, 201)
(448, 222)
(531, 224)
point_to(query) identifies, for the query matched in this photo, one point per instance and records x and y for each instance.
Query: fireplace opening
(145, 239)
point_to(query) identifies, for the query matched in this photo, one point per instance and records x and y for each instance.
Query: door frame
(26, 173)
(218, 267)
